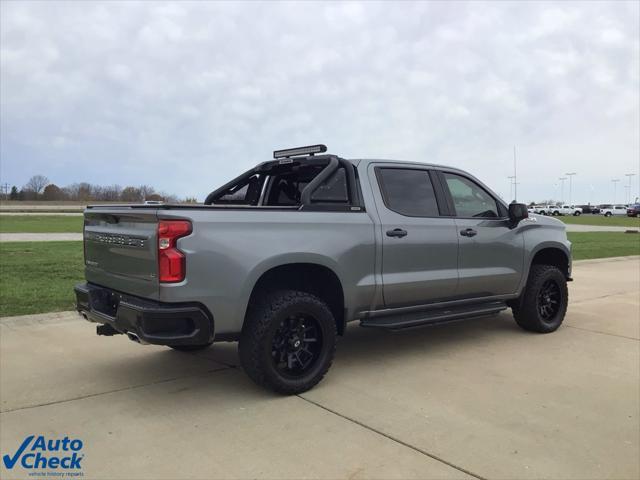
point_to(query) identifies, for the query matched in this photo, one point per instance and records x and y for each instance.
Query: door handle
(397, 232)
(468, 232)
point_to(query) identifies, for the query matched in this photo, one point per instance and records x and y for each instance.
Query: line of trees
(39, 188)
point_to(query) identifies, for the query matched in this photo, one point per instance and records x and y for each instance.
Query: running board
(433, 317)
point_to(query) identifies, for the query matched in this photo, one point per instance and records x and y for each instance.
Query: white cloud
(186, 95)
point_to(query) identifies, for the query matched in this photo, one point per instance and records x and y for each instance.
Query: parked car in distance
(546, 209)
(614, 210)
(595, 209)
(633, 210)
(282, 257)
(586, 208)
(569, 210)
(552, 210)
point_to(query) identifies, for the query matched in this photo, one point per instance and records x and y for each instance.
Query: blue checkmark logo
(10, 462)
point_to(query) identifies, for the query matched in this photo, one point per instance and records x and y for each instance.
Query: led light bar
(296, 152)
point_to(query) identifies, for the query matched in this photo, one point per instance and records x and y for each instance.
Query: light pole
(511, 182)
(562, 179)
(515, 176)
(629, 175)
(570, 175)
(615, 182)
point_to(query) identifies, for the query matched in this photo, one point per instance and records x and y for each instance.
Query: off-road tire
(190, 348)
(265, 316)
(526, 308)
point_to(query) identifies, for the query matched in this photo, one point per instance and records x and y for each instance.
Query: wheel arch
(552, 255)
(317, 276)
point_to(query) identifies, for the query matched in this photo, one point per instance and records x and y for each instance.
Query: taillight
(171, 261)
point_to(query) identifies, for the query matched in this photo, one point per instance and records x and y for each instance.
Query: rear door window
(408, 191)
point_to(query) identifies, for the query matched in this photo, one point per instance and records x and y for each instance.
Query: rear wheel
(288, 341)
(543, 304)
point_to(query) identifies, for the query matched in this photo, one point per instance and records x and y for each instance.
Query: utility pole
(515, 176)
(511, 181)
(570, 175)
(629, 175)
(562, 179)
(615, 182)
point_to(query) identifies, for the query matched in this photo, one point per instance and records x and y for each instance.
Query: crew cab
(610, 210)
(569, 210)
(287, 254)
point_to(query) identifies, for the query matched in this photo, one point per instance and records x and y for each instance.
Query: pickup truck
(610, 210)
(570, 210)
(553, 210)
(284, 256)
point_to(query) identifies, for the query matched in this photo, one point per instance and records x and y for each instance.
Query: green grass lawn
(603, 244)
(617, 221)
(40, 224)
(39, 276)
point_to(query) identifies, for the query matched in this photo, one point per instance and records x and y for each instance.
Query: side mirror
(517, 212)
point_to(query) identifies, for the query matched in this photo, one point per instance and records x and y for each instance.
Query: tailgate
(120, 249)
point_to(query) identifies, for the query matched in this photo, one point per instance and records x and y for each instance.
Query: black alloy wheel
(288, 341)
(549, 300)
(296, 345)
(542, 306)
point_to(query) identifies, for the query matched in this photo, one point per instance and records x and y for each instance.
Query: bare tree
(53, 192)
(146, 191)
(131, 194)
(111, 193)
(36, 184)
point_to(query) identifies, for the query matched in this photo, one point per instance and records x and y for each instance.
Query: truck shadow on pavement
(360, 346)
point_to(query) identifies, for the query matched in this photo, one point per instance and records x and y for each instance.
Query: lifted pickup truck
(285, 255)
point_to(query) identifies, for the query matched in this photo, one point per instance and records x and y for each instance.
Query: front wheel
(288, 341)
(577, 214)
(543, 304)
(608, 214)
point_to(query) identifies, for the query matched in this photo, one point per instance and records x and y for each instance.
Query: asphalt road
(477, 399)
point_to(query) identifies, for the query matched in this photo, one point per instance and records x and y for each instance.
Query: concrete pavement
(597, 228)
(477, 399)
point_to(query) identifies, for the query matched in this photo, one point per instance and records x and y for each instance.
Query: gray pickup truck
(285, 255)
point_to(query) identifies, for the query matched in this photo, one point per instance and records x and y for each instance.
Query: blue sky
(184, 96)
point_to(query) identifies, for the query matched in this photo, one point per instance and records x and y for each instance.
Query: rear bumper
(145, 320)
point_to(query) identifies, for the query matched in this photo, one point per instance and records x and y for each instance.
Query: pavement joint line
(603, 333)
(117, 390)
(394, 439)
